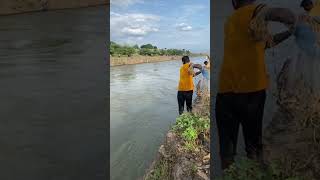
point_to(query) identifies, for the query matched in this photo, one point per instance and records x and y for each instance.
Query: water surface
(143, 106)
(53, 108)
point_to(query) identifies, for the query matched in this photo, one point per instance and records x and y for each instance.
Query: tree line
(144, 50)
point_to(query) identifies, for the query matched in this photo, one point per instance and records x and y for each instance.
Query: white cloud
(190, 10)
(132, 25)
(184, 27)
(124, 3)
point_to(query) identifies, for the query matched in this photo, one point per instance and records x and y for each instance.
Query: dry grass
(202, 105)
(293, 136)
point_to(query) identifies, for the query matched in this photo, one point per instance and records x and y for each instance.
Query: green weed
(189, 126)
(246, 169)
(161, 171)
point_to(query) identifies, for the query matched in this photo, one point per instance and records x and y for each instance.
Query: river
(143, 102)
(53, 108)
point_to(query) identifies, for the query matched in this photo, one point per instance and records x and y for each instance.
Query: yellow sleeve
(316, 9)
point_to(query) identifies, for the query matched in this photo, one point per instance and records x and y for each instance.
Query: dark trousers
(185, 97)
(232, 110)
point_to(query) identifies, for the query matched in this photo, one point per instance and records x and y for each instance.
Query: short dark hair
(206, 62)
(305, 3)
(185, 59)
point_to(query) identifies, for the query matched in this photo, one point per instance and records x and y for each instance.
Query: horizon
(184, 25)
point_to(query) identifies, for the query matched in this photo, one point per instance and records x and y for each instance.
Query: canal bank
(180, 158)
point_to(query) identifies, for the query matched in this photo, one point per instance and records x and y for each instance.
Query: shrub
(189, 127)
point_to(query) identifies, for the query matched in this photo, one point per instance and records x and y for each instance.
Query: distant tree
(147, 46)
(145, 52)
(128, 51)
(136, 46)
(113, 47)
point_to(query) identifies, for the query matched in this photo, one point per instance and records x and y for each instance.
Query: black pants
(233, 109)
(185, 96)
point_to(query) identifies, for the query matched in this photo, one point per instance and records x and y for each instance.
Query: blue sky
(182, 24)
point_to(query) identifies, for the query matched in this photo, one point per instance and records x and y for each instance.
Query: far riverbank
(137, 59)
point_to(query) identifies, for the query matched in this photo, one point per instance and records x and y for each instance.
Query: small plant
(190, 146)
(194, 169)
(190, 134)
(189, 127)
(161, 171)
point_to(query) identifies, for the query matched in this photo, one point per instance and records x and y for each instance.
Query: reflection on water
(143, 106)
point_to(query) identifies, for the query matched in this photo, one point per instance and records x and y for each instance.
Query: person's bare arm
(197, 73)
(278, 38)
(198, 66)
(282, 15)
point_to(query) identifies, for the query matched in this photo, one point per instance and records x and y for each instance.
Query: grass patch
(161, 171)
(246, 169)
(189, 127)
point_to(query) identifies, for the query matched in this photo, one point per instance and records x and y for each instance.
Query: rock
(206, 159)
(162, 152)
(171, 137)
(201, 176)
(182, 169)
(204, 167)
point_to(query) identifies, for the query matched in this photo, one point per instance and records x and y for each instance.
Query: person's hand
(269, 39)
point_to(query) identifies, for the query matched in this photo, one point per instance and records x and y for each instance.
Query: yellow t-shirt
(243, 69)
(186, 78)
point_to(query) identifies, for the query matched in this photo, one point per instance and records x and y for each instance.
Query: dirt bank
(118, 61)
(292, 138)
(21, 6)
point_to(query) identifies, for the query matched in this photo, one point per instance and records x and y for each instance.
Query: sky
(181, 24)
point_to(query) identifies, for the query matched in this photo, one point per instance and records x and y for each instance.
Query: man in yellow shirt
(186, 86)
(243, 78)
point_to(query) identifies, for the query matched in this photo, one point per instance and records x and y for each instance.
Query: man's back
(243, 69)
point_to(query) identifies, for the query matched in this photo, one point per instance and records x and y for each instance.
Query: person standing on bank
(186, 86)
(243, 78)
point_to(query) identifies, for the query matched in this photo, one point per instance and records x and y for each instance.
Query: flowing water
(53, 107)
(143, 106)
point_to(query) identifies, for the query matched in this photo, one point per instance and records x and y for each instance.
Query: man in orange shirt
(243, 78)
(186, 86)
